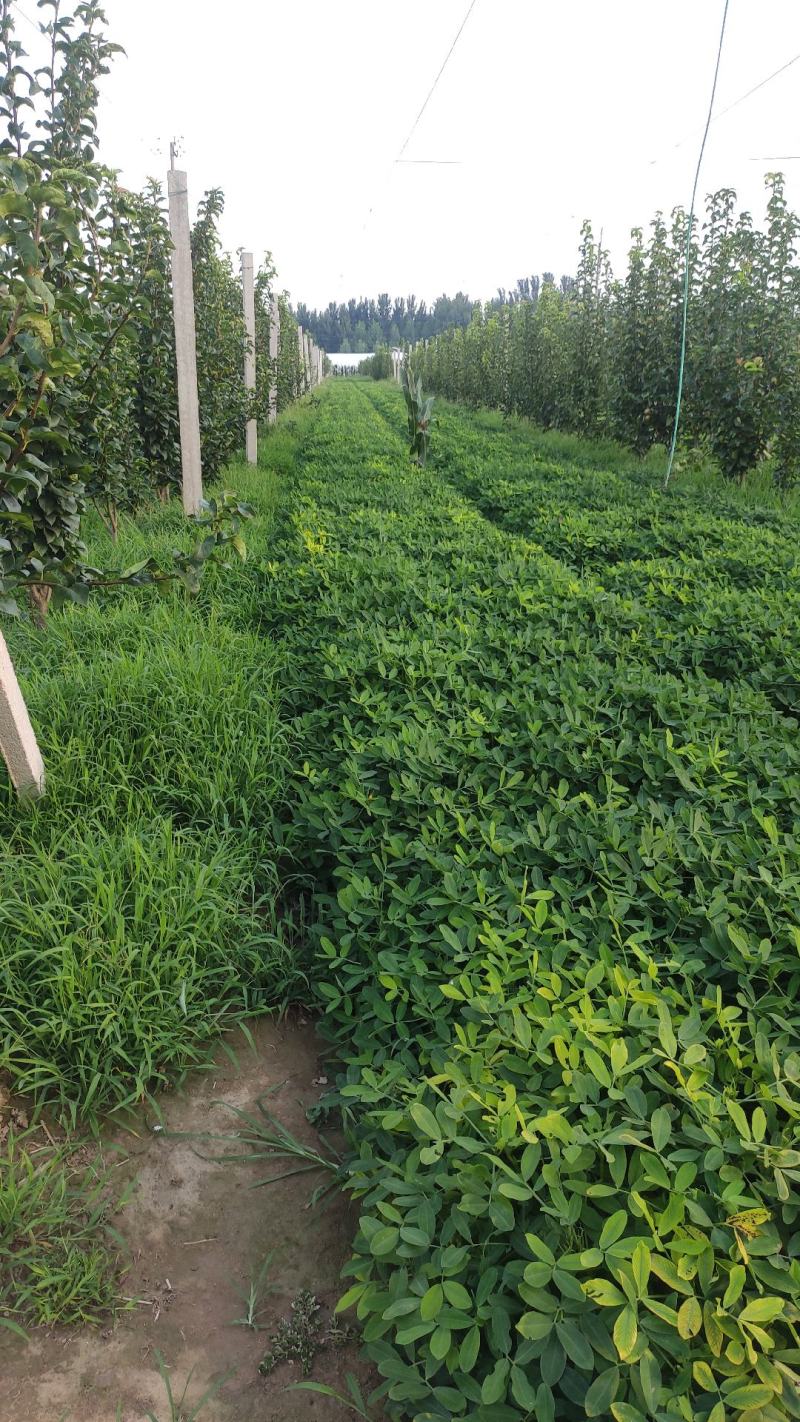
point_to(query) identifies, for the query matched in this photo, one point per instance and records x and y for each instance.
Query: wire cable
(401, 160)
(756, 87)
(435, 83)
(734, 105)
(33, 24)
(689, 227)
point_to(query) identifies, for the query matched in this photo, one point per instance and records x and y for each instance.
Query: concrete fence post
(249, 299)
(185, 340)
(274, 347)
(18, 742)
(301, 347)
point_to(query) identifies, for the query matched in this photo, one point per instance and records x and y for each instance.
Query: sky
(545, 114)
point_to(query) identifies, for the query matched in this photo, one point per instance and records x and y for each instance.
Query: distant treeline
(363, 325)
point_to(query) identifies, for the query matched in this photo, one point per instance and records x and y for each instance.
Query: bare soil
(197, 1231)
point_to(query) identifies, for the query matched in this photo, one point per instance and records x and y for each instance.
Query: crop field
(495, 764)
(546, 800)
(395, 793)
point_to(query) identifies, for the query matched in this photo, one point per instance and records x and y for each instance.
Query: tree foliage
(599, 356)
(87, 355)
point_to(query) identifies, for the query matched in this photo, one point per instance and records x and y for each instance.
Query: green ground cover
(548, 807)
(137, 911)
(519, 735)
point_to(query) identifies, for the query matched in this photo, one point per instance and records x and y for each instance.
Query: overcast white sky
(553, 112)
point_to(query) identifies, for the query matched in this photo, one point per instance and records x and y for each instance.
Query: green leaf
(650, 1380)
(626, 1330)
(538, 1247)
(384, 1241)
(495, 1383)
(597, 1066)
(545, 1410)
(15, 1328)
(348, 1299)
(626, 1412)
(431, 1302)
(575, 1345)
(763, 1310)
(601, 1393)
(468, 1352)
(440, 1342)
(703, 1376)
(457, 1295)
(666, 1036)
(690, 1318)
(661, 1128)
(640, 1264)
(613, 1229)
(522, 1390)
(736, 1282)
(535, 1325)
(425, 1120)
(601, 1291)
(752, 1395)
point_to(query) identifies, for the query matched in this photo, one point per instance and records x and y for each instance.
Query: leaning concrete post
(249, 299)
(274, 346)
(17, 738)
(185, 340)
(320, 366)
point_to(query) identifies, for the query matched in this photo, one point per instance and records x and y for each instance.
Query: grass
(138, 899)
(58, 1256)
(179, 1407)
(254, 1296)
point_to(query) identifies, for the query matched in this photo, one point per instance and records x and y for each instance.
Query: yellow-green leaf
(690, 1318)
(626, 1330)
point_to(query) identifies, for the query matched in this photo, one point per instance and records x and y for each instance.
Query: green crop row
(548, 806)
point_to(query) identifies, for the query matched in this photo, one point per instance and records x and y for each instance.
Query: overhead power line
(689, 226)
(762, 83)
(415, 125)
(33, 24)
(756, 87)
(435, 83)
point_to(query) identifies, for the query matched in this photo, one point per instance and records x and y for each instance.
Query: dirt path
(193, 1290)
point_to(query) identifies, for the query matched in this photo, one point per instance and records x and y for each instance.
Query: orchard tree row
(601, 356)
(87, 358)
